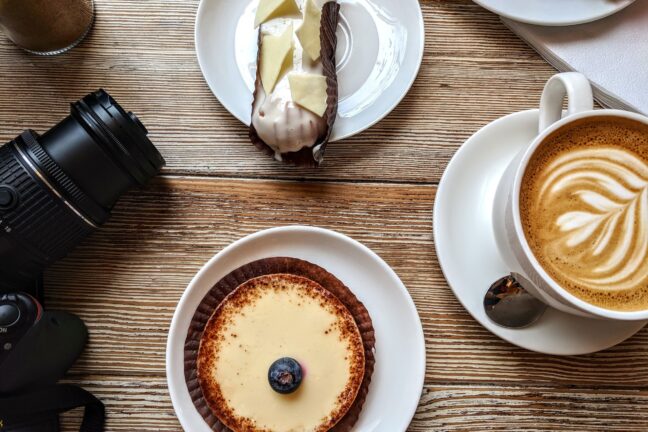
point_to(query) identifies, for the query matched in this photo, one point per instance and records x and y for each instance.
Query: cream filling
(278, 324)
(283, 125)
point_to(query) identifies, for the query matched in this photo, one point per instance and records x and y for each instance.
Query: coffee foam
(584, 209)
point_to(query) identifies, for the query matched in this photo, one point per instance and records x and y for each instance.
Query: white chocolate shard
(309, 32)
(276, 58)
(270, 9)
(309, 91)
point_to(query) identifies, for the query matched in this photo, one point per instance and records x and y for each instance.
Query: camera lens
(58, 187)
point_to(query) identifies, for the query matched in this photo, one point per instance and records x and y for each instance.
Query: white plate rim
(443, 259)
(441, 191)
(486, 5)
(334, 137)
(175, 332)
(410, 84)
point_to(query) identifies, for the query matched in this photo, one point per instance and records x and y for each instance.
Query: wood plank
(143, 404)
(474, 71)
(126, 280)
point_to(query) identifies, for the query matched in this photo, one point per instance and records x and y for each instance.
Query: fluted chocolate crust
(271, 266)
(312, 156)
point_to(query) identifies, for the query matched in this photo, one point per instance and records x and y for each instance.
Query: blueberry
(285, 375)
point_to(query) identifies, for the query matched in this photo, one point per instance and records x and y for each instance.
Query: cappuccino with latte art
(584, 210)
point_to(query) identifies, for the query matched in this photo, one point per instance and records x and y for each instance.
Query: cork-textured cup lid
(264, 267)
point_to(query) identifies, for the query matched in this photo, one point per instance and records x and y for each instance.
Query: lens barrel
(57, 188)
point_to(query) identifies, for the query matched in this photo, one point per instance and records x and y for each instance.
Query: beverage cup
(46, 27)
(507, 219)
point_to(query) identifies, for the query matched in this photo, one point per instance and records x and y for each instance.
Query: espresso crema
(584, 210)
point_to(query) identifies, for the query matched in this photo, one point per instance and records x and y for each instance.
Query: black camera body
(55, 190)
(37, 347)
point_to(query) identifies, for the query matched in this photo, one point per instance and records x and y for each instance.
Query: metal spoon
(509, 305)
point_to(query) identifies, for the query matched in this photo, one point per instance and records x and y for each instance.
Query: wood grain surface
(142, 403)
(377, 187)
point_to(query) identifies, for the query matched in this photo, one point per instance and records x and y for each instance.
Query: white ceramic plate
(400, 345)
(469, 256)
(380, 49)
(554, 12)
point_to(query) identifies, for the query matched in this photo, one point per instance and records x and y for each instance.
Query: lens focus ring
(63, 184)
(42, 229)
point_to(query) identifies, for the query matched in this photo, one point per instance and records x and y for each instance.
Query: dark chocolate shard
(267, 266)
(314, 155)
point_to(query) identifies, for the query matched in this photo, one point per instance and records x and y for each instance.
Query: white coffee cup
(509, 232)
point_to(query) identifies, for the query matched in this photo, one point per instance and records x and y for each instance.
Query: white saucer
(554, 12)
(469, 256)
(380, 50)
(400, 345)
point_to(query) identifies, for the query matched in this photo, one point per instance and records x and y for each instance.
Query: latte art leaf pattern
(602, 235)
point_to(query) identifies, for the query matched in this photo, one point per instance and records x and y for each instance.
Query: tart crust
(274, 266)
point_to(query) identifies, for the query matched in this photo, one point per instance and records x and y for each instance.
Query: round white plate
(468, 254)
(554, 12)
(400, 345)
(380, 49)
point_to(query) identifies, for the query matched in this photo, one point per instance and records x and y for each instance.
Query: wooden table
(378, 187)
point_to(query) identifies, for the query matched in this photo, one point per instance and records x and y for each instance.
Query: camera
(55, 190)
(37, 347)
(59, 187)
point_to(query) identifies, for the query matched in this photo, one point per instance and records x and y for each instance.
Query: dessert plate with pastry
(296, 329)
(302, 73)
(555, 12)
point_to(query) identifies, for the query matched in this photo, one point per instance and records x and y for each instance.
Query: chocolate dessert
(296, 89)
